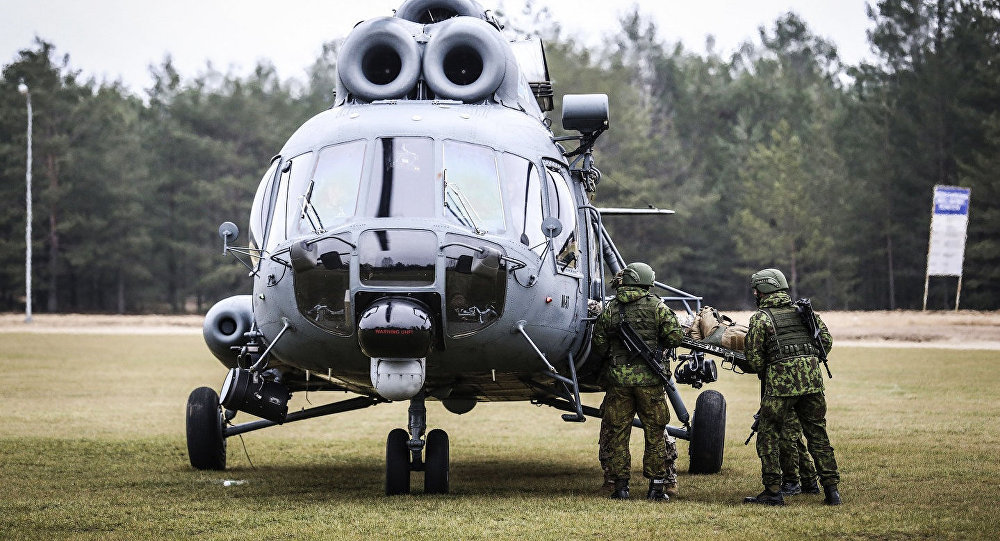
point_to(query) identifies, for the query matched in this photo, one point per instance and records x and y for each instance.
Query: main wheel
(708, 433)
(397, 463)
(206, 439)
(436, 462)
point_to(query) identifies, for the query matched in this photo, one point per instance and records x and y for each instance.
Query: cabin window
(563, 206)
(331, 197)
(523, 194)
(260, 210)
(475, 285)
(472, 188)
(294, 173)
(402, 180)
(321, 291)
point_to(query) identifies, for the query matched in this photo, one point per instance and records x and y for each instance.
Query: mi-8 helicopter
(426, 238)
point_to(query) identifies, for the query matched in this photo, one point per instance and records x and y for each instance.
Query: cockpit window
(260, 210)
(331, 197)
(563, 206)
(402, 182)
(295, 173)
(522, 191)
(472, 187)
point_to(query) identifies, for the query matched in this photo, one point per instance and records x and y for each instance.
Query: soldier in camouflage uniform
(798, 473)
(604, 452)
(780, 347)
(632, 387)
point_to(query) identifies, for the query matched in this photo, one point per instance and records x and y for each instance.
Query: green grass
(92, 447)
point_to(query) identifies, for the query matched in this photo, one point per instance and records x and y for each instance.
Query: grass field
(92, 447)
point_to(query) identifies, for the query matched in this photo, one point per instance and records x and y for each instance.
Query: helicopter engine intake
(465, 60)
(451, 47)
(380, 59)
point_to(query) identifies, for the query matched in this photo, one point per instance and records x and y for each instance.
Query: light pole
(23, 89)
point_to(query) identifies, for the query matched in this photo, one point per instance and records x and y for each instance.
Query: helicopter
(427, 238)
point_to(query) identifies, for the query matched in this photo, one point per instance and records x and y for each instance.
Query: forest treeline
(775, 155)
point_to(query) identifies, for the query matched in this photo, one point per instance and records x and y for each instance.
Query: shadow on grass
(365, 476)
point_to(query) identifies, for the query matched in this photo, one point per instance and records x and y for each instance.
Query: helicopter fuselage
(434, 205)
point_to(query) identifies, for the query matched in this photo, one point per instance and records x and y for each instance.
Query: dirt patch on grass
(102, 324)
(964, 329)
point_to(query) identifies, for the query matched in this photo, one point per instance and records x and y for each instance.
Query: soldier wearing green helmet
(780, 348)
(632, 387)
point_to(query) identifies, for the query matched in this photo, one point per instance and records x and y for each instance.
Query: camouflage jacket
(793, 376)
(654, 322)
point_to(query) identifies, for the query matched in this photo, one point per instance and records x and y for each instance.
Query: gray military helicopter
(426, 238)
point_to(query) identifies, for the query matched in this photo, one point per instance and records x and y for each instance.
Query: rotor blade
(611, 211)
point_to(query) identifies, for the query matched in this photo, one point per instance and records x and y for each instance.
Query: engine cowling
(435, 11)
(380, 60)
(466, 59)
(224, 326)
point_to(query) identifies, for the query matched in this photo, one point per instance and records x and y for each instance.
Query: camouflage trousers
(810, 410)
(796, 462)
(620, 406)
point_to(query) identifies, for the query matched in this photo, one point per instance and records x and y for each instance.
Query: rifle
(636, 346)
(805, 310)
(737, 358)
(753, 427)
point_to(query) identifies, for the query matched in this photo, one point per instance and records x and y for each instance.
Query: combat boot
(791, 488)
(832, 495)
(809, 486)
(656, 491)
(767, 497)
(670, 489)
(621, 490)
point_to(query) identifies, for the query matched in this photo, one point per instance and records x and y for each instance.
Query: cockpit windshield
(476, 187)
(472, 187)
(402, 183)
(331, 196)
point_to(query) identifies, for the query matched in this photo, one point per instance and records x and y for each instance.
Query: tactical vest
(641, 314)
(791, 336)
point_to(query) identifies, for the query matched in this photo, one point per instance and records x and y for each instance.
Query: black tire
(206, 439)
(708, 433)
(397, 463)
(436, 462)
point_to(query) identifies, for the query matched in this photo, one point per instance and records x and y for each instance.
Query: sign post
(946, 247)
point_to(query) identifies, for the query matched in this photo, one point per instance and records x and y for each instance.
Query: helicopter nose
(395, 327)
(396, 332)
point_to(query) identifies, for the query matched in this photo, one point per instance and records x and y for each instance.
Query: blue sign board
(951, 200)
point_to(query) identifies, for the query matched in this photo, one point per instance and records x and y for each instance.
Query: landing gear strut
(403, 454)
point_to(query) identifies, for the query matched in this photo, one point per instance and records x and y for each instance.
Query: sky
(119, 39)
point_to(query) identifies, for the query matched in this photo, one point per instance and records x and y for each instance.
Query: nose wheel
(436, 463)
(403, 454)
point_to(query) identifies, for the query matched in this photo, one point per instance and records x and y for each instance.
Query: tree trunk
(793, 274)
(52, 169)
(121, 292)
(892, 278)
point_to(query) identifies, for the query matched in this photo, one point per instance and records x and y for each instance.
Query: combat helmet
(768, 281)
(637, 274)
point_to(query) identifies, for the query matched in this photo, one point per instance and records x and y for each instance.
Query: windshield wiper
(460, 207)
(308, 206)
